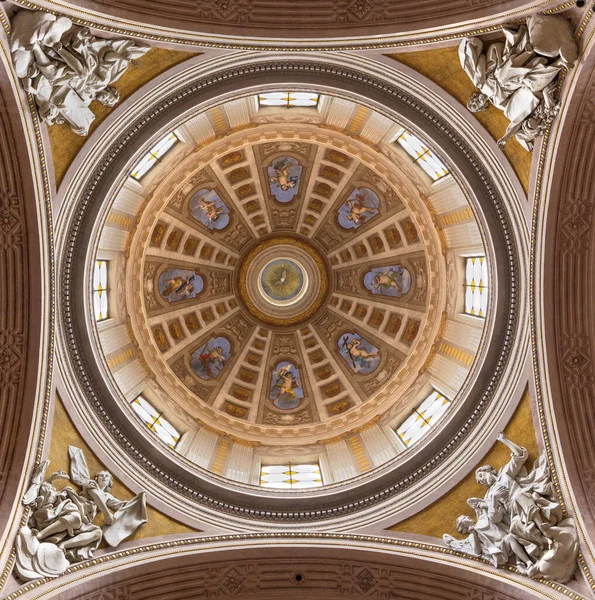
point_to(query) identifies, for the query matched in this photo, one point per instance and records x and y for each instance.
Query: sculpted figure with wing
(520, 521)
(61, 528)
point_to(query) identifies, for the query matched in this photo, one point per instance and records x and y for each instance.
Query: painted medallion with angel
(362, 356)
(208, 361)
(388, 281)
(207, 207)
(286, 386)
(284, 178)
(361, 206)
(179, 284)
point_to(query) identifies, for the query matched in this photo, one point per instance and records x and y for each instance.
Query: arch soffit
(270, 26)
(26, 323)
(267, 565)
(563, 293)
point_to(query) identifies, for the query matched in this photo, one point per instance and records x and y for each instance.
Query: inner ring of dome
(283, 282)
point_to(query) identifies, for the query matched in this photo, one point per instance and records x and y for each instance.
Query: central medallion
(283, 281)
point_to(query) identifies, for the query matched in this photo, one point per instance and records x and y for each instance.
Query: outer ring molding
(499, 203)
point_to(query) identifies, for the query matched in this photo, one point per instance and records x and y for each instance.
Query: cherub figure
(360, 358)
(212, 359)
(286, 382)
(210, 209)
(359, 354)
(282, 178)
(358, 209)
(180, 286)
(387, 280)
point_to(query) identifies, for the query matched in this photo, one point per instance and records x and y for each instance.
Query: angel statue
(65, 67)
(61, 528)
(519, 74)
(519, 521)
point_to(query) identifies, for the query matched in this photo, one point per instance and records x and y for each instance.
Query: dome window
(427, 414)
(288, 99)
(423, 156)
(290, 476)
(154, 156)
(476, 286)
(155, 421)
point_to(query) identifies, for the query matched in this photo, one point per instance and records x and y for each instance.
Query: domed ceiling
(290, 284)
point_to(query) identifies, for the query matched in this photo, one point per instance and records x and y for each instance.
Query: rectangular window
(288, 99)
(476, 286)
(423, 156)
(428, 413)
(151, 158)
(100, 305)
(155, 421)
(291, 476)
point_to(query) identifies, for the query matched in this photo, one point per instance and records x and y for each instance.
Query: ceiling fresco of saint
(295, 299)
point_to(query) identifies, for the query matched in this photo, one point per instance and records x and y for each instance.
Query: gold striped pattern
(455, 353)
(119, 220)
(464, 214)
(219, 461)
(120, 358)
(360, 454)
(219, 121)
(358, 119)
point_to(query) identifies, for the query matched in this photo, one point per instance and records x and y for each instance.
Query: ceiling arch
(336, 20)
(293, 568)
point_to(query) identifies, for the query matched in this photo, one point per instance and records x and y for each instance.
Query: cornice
(376, 549)
(168, 35)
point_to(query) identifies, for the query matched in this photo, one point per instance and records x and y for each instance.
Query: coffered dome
(293, 287)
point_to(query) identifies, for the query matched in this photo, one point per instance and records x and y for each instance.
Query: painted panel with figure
(286, 386)
(207, 207)
(284, 178)
(388, 281)
(208, 361)
(362, 356)
(179, 284)
(361, 206)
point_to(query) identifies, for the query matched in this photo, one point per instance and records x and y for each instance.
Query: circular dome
(304, 307)
(394, 355)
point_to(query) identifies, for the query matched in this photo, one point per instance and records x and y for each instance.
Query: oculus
(286, 386)
(361, 206)
(388, 281)
(178, 284)
(207, 207)
(362, 356)
(208, 361)
(283, 280)
(284, 178)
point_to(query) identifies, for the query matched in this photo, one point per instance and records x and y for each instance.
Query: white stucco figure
(518, 75)
(65, 67)
(519, 520)
(61, 528)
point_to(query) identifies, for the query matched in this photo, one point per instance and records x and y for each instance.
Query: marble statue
(519, 74)
(61, 528)
(65, 67)
(519, 521)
